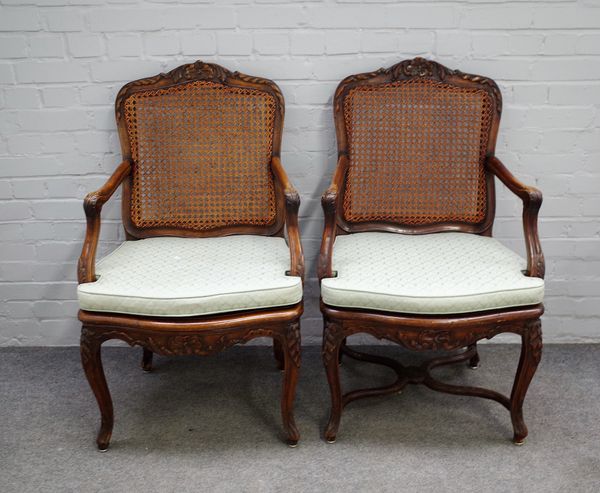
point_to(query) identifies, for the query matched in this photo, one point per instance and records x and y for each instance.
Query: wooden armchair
(407, 253)
(206, 204)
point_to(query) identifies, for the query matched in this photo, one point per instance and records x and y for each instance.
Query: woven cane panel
(201, 154)
(416, 153)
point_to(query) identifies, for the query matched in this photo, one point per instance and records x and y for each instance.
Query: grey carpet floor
(212, 424)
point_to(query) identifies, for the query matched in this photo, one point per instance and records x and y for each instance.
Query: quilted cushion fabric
(182, 277)
(443, 273)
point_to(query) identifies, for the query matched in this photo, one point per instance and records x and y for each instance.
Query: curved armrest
(532, 201)
(92, 205)
(330, 203)
(292, 204)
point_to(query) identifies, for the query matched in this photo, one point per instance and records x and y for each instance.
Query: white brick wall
(63, 61)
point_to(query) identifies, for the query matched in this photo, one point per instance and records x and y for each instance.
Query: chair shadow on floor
(420, 417)
(182, 400)
(182, 404)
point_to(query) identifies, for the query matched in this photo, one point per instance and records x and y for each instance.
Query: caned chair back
(417, 136)
(201, 140)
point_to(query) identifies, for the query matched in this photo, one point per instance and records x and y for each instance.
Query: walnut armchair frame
(201, 335)
(429, 332)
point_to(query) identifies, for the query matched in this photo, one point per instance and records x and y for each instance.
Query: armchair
(407, 252)
(206, 208)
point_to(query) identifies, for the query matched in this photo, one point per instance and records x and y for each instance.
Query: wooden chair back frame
(184, 75)
(406, 71)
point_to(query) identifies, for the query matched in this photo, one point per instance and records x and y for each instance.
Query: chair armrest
(292, 204)
(330, 204)
(92, 205)
(532, 201)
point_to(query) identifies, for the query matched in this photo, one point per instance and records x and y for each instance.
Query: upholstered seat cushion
(442, 273)
(180, 277)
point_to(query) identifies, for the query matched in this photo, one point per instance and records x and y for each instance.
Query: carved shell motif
(418, 67)
(199, 70)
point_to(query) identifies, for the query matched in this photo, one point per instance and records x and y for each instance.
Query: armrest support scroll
(532, 201)
(330, 204)
(292, 205)
(92, 205)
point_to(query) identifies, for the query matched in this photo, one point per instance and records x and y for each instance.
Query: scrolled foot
(331, 429)
(293, 436)
(103, 440)
(518, 440)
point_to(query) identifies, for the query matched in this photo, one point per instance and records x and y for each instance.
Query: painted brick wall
(63, 61)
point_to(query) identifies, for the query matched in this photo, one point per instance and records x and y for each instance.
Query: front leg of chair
(147, 360)
(290, 347)
(332, 343)
(278, 353)
(91, 360)
(531, 354)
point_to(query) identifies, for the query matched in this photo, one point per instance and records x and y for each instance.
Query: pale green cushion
(181, 277)
(441, 273)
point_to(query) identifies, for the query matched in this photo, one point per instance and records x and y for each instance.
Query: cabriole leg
(331, 354)
(291, 364)
(147, 360)
(91, 360)
(531, 354)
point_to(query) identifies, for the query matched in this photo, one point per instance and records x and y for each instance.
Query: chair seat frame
(200, 335)
(457, 334)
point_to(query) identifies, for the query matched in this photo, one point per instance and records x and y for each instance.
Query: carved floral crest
(419, 67)
(197, 70)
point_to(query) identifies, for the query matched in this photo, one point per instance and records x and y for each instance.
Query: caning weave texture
(201, 156)
(416, 152)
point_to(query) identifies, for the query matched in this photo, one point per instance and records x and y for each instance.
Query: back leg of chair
(278, 352)
(474, 361)
(91, 360)
(147, 360)
(341, 352)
